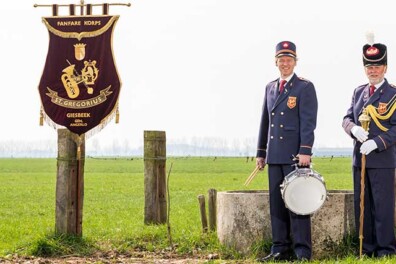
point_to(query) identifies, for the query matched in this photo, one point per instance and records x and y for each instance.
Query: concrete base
(243, 218)
(331, 223)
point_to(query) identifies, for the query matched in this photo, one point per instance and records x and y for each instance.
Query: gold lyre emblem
(89, 74)
(292, 102)
(79, 51)
(382, 108)
(70, 81)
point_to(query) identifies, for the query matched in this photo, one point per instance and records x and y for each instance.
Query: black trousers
(289, 230)
(379, 206)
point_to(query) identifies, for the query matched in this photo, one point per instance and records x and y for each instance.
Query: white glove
(368, 146)
(359, 133)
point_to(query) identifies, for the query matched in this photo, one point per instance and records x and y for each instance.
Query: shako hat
(286, 48)
(374, 53)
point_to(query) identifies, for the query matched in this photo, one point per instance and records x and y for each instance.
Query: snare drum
(303, 191)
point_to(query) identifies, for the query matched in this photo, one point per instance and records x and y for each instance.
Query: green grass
(114, 204)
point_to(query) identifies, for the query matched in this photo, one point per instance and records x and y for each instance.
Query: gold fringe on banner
(105, 121)
(89, 133)
(76, 138)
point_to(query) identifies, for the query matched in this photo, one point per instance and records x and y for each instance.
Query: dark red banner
(80, 85)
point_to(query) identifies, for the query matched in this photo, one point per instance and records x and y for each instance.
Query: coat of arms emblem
(291, 102)
(382, 108)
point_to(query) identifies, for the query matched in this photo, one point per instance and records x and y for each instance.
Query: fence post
(155, 208)
(69, 185)
(202, 209)
(212, 193)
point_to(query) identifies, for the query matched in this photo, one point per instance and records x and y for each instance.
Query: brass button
(280, 137)
(281, 125)
(281, 113)
(272, 137)
(272, 125)
(273, 113)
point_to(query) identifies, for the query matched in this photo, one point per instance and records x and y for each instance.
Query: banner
(80, 86)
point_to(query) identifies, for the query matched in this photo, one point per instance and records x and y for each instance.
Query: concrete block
(243, 219)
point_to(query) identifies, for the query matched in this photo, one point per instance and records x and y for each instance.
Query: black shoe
(276, 257)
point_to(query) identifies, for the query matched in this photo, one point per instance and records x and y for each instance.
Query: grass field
(114, 204)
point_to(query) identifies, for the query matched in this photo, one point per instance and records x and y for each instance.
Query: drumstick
(252, 175)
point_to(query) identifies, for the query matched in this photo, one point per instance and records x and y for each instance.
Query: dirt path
(113, 257)
(79, 260)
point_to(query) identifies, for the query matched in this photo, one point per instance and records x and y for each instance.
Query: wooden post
(212, 193)
(202, 209)
(155, 207)
(69, 185)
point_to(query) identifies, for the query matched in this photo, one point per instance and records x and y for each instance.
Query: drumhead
(304, 195)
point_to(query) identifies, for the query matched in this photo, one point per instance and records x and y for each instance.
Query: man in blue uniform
(378, 144)
(287, 128)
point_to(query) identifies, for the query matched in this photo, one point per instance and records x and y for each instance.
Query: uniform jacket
(288, 121)
(384, 156)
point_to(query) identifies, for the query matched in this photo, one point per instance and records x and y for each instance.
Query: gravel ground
(110, 259)
(76, 260)
(79, 260)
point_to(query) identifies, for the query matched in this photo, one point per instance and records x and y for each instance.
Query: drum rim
(299, 173)
(320, 204)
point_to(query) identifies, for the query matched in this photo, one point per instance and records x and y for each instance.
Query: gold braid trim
(373, 112)
(80, 35)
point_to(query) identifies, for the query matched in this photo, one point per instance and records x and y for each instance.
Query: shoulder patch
(362, 86)
(303, 79)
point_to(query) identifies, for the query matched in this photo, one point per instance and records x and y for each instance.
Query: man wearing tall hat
(379, 150)
(287, 129)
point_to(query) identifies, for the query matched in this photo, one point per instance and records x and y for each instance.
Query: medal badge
(382, 107)
(292, 102)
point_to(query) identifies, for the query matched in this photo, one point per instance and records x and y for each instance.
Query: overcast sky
(198, 68)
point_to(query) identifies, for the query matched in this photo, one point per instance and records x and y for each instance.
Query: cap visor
(285, 54)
